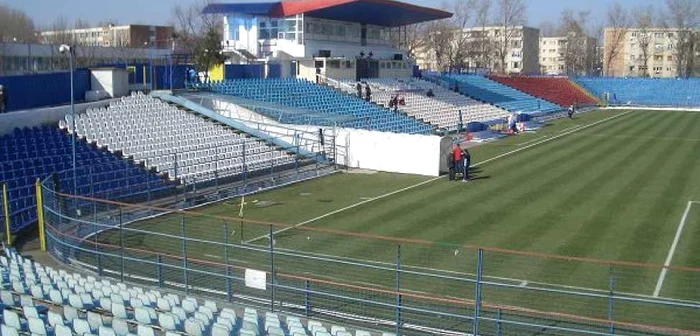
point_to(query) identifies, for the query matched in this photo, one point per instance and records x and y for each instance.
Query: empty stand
(503, 96)
(41, 300)
(31, 153)
(644, 91)
(302, 94)
(558, 90)
(442, 110)
(183, 145)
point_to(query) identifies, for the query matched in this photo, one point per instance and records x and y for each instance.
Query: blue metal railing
(183, 251)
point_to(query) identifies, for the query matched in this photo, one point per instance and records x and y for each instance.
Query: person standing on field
(466, 161)
(457, 155)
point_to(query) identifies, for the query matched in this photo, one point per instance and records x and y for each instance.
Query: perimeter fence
(406, 286)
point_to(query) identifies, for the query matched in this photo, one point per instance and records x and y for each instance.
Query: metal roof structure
(386, 13)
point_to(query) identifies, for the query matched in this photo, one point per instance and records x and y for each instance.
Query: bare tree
(438, 43)
(644, 20)
(481, 43)
(683, 15)
(618, 23)
(15, 26)
(597, 54)
(410, 39)
(511, 13)
(548, 29)
(580, 47)
(191, 25)
(459, 48)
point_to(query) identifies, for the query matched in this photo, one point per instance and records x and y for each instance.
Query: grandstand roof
(387, 13)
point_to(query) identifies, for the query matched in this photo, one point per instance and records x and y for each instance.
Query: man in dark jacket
(466, 161)
(451, 166)
(368, 93)
(359, 90)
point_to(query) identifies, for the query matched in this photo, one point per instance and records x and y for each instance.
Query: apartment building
(631, 60)
(129, 36)
(568, 55)
(484, 44)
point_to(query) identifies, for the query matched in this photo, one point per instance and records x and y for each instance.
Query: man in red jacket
(457, 154)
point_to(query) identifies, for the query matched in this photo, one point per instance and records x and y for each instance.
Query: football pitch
(608, 195)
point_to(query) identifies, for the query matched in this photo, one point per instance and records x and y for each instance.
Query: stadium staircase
(297, 93)
(42, 300)
(503, 96)
(645, 91)
(35, 153)
(442, 110)
(558, 90)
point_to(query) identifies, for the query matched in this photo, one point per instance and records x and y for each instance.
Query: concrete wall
(43, 116)
(307, 70)
(114, 82)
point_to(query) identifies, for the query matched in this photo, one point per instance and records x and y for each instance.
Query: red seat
(558, 90)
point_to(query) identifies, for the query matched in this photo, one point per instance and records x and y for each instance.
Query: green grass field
(613, 192)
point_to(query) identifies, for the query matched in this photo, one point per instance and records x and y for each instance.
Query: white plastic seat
(193, 328)
(120, 326)
(13, 320)
(179, 313)
(30, 312)
(220, 331)
(94, 320)
(81, 327)
(70, 313)
(142, 315)
(6, 330)
(168, 321)
(37, 326)
(143, 330)
(60, 330)
(118, 310)
(54, 319)
(7, 298)
(106, 331)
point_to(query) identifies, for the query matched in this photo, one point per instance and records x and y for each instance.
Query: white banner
(256, 279)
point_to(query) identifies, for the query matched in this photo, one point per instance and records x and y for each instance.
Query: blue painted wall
(275, 71)
(233, 71)
(32, 91)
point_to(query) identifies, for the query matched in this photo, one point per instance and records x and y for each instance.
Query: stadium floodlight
(66, 49)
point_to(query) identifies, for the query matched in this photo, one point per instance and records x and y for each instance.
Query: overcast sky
(158, 12)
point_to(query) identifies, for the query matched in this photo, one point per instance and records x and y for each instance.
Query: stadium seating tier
(503, 96)
(558, 90)
(325, 101)
(41, 300)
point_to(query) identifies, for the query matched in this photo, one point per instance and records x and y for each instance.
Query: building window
(632, 57)
(340, 30)
(658, 58)
(669, 58)
(516, 65)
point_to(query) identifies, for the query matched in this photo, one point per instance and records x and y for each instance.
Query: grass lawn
(612, 192)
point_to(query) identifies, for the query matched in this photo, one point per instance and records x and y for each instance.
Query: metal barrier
(407, 286)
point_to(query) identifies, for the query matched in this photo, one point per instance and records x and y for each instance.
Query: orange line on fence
(428, 298)
(402, 240)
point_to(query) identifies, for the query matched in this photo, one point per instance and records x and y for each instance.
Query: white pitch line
(672, 250)
(439, 177)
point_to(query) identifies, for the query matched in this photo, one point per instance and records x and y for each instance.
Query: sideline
(545, 140)
(672, 250)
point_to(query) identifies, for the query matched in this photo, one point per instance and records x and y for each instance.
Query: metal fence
(407, 286)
